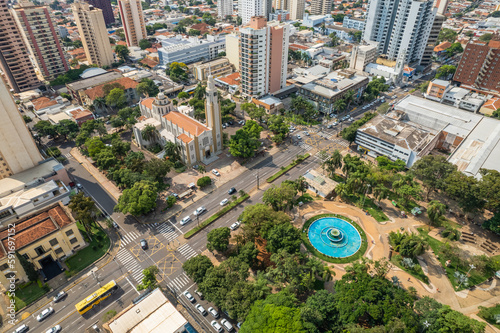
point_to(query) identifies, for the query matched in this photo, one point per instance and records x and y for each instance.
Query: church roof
(187, 123)
(184, 138)
(148, 102)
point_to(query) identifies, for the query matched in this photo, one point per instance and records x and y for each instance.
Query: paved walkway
(439, 287)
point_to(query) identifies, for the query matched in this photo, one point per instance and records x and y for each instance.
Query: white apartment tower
(132, 18)
(400, 25)
(250, 8)
(296, 8)
(224, 8)
(263, 56)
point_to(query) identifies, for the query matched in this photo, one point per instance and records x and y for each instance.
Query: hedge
(288, 167)
(214, 217)
(312, 249)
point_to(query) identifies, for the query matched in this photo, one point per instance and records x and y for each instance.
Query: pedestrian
(437, 289)
(408, 279)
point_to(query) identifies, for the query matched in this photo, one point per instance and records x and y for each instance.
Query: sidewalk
(70, 283)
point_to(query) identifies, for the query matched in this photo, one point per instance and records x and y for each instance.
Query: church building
(200, 143)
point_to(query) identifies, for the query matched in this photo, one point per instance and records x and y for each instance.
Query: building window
(53, 242)
(69, 232)
(58, 250)
(4, 267)
(39, 250)
(73, 240)
(25, 256)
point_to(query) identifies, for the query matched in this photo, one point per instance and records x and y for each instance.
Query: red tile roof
(187, 123)
(36, 227)
(493, 104)
(42, 103)
(441, 47)
(98, 91)
(148, 102)
(295, 47)
(184, 138)
(79, 113)
(149, 62)
(231, 79)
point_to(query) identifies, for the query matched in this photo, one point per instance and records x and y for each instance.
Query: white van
(227, 325)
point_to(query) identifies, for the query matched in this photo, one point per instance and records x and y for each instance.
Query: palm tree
(349, 97)
(149, 133)
(199, 91)
(435, 211)
(301, 184)
(99, 103)
(173, 151)
(339, 105)
(380, 192)
(342, 190)
(334, 162)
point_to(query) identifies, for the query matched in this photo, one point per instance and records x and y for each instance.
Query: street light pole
(471, 268)
(257, 179)
(426, 325)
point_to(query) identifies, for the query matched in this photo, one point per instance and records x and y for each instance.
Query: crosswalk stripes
(305, 146)
(167, 231)
(187, 251)
(180, 282)
(129, 237)
(131, 264)
(68, 155)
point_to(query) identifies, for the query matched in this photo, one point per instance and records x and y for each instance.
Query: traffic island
(216, 216)
(284, 170)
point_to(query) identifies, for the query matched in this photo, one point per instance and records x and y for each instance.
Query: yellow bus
(100, 295)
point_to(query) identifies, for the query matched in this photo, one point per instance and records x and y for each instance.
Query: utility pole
(257, 179)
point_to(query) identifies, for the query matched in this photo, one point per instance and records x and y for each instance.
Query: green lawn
(475, 277)
(337, 178)
(88, 255)
(488, 314)
(417, 272)
(288, 167)
(312, 249)
(369, 205)
(214, 217)
(28, 293)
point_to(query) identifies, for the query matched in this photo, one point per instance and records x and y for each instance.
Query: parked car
(223, 126)
(241, 122)
(231, 190)
(201, 309)
(216, 326)
(335, 123)
(176, 195)
(144, 244)
(224, 202)
(306, 133)
(227, 325)
(230, 122)
(213, 312)
(115, 225)
(197, 292)
(54, 329)
(215, 172)
(199, 211)
(21, 329)
(329, 126)
(45, 313)
(185, 220)
(189, 296)
(235, 225)
(299, 137)
(59, 296)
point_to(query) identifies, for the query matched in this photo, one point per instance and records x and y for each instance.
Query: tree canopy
(138, 200)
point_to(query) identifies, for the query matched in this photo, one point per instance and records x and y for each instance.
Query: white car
(299, 137)
(227, 325)
(189, 296)
(306, 133)
(224, 202)
(215, 172)
(217, 326)
(44, 314)
(185, 220)
(213, 312)
(235, 225)
(201, 309)
(199, 211)
(54, 329)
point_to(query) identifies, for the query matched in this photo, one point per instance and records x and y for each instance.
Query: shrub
(204, 181)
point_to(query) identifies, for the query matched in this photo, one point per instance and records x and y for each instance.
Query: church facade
(198, 142)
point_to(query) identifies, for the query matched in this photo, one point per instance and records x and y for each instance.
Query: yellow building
(218, 67)
(92, 29)
(44, 239)
(18, 151)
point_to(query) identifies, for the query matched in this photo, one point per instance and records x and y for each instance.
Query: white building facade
(224, 8)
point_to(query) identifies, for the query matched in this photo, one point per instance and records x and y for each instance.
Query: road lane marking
(134, 288)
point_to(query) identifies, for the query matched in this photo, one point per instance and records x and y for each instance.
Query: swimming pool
(334, 237)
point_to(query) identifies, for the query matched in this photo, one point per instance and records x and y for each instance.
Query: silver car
(45, 313)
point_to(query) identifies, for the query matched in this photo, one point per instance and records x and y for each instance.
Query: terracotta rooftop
(36, 227)
(148, 102)
(79, 113)
(187, 123)
(184, 138)
(231, 79)
(98, 91)
(295, 47)
(441, 47)
(42, 103)
(149, 62)
(493, 104)
(120, 42)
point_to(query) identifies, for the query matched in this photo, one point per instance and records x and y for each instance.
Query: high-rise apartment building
(18, 151)
(479, 67)
(263, 56)
(132, 17)
(431, 41)
(321, 7)
(224, 8)
(400, 26)
(92, 29)
(250, 8)
(14, 57)
(107, 10)
(41, 38)
(296, 8)
(280, 4)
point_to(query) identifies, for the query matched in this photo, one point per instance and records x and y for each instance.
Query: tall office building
(107, 10)
(321, 7)
(224, 8)
(250, 8)
(14, 58)
(398, 26)
(280, 4)
(479, 67)
(18, 151)
(41, 38)
(92, 29)
(296, 8)
(263, 56)
(132, 17)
